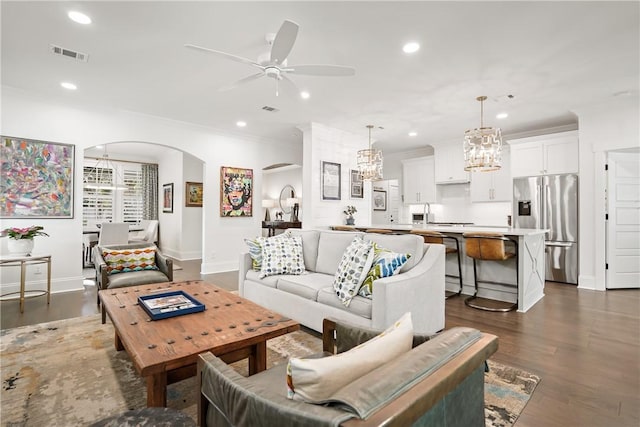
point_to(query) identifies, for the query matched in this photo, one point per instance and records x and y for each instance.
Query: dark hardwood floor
(585, 345)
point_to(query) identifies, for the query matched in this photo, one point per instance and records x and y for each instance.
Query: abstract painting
(167, 198)
(236, 191)
(36, 178)
(193, 194)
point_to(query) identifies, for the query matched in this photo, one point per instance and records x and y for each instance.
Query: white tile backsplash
(455, 206)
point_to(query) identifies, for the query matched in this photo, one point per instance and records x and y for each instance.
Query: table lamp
(268, 203)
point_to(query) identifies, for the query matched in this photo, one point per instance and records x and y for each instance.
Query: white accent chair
(148, 235)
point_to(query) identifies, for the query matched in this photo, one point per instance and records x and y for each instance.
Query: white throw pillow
(353, 268)
(316, 380)
(281, 254)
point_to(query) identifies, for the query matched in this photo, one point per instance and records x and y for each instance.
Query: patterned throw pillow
(281, 254)
(127, 260)
(316, 380)
(352, 270)
(255, 252)
(385, 264)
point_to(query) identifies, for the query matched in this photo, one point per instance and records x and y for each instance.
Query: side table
(23, 262)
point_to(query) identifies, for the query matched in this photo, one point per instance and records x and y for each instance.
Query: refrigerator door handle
(559, 244)
(541, 211)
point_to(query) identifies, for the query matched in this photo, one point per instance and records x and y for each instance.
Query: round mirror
(287, 192)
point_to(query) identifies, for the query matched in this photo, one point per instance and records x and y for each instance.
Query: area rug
(67, 373)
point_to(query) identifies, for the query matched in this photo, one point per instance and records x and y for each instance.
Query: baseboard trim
(587, 282)
(218, 267)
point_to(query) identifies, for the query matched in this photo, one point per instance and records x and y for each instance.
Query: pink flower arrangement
(25, 233)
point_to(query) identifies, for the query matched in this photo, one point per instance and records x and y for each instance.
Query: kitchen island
(531, 262)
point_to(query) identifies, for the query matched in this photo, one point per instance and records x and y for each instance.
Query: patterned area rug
(68, 373)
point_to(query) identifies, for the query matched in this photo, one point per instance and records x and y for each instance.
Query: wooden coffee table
(165, 351)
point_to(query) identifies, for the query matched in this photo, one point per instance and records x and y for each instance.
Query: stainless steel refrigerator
(551, 202)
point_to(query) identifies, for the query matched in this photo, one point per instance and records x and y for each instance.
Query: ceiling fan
(274, 63)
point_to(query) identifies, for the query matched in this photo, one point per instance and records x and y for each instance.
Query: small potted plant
(21, 239)
(349, 211)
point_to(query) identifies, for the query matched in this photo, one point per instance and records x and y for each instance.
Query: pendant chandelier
(370, 162)
(104, 176)
(482, 146)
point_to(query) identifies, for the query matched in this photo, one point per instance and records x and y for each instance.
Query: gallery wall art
(193, 194)
(36, 178)
(236, 192)
(331, 181)
(167, 198)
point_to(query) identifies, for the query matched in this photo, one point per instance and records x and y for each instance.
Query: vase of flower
(349, 213)
(20, 247)
(21, 240)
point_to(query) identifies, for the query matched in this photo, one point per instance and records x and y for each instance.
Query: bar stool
(489, 247)
(439, 238)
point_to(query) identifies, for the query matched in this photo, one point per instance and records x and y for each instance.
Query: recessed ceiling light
(304, 94)
(68, 85)
(241, 124)
(413, 133)
(411, 47)
(502, 115)
(78, 17)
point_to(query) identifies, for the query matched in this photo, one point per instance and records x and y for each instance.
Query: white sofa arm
(420, 290)
(244, 265)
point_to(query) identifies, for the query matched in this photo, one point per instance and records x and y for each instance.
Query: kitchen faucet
(426, 213)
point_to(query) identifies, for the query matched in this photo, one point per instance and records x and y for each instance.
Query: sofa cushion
(135, 278)
(359, 305)
(281, 254)
(353, 268)
(401, 243)
(306, 285)
(385, 264)
(331, 246)
(270, 281)
(130, 259)
(316, 380)
(310, 240)
(255, 252)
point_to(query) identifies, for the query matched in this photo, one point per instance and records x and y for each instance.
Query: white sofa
(310, 297)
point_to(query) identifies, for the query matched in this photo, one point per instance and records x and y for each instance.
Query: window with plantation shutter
(110, 205)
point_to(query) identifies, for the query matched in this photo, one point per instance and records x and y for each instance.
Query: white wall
(191, 238)
(604, 127)
(323, 143)
(30, 116)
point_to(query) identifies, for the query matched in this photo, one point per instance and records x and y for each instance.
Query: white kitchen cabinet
(418, 180)
(545, 154)
(450, 164)
(495, 186)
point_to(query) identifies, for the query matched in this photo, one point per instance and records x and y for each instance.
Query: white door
(623, 227)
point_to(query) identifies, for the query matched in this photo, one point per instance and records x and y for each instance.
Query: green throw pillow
(255, 252)
(352, 270)
(385, 264)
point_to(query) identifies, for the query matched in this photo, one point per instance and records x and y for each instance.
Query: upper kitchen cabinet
(494, 186)
(418, 180)
(450, 164)
(545, 154)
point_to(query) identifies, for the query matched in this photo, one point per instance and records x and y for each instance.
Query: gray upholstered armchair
(439, 382)
(104, 280)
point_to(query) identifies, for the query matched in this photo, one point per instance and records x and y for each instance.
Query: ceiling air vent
(270, 109)
(78, 56)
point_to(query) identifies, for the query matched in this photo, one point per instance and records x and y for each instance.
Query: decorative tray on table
(169, 304)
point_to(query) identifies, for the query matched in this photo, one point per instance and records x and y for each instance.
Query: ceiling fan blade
(321, 70)
(283, 43)
(223, 54)
(241, 82)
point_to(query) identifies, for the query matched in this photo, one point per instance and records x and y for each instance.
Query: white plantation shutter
(132, 203)
(97, 204)
(105, 205)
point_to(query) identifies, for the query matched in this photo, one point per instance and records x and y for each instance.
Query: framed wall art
(36, 179)
(331, 189)
(167, 198)
(193, 194)
(356, 185)
(379, 200)
(236, 191)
